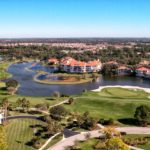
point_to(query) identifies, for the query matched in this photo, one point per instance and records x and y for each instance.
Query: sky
(74, 18)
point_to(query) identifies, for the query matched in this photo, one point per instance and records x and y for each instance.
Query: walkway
(134, 130)
(46, 112)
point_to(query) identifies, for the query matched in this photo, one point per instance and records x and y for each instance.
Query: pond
(28, 87)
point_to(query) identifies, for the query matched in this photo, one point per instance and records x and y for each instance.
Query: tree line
(129, 56)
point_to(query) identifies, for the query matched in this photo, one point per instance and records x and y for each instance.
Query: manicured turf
(113, 103)
(88, 145)
(3, 68)
(19, 133)
(2, 84)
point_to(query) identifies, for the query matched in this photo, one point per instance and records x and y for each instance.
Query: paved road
(71, 140)
(68, 133)
(22, 117)
(134, 130)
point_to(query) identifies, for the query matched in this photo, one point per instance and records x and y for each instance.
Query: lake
(30, 88)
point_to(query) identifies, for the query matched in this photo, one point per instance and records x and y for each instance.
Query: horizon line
(121, 37)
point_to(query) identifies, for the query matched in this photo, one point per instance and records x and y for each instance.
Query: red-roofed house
(53, 61)
(143, 72)
(93, 66)
(124, 70)
(112, 62)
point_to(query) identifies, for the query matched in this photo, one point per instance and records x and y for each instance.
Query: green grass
(2, 84)
(88, 145)
(3, 68)
(54, 141)
(19, 133)
(113, 103)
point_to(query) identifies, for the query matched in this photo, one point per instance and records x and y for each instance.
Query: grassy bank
(3, 70)
(33, 100)
(113, 103)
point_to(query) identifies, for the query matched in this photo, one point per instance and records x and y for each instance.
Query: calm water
(31, 88)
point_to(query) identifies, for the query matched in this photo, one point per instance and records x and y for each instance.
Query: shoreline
(147, 90)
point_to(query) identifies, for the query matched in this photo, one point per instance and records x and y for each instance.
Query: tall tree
(5, 105)
(142, 114)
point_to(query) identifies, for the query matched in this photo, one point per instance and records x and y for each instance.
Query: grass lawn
(88, 145)
(113, 103)
(3, 68)
(54, 141)
(19, 133)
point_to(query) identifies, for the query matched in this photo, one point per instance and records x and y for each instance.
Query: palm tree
(25, 104)
(5, 105)
(18, 102)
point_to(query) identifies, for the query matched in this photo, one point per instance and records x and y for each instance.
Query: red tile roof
(53, 60)
(143, 69)
(123, 67)
(72, 62)
(112, 62)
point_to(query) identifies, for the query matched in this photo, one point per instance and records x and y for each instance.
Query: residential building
(71, 65)
(143, 71)
(124, 70)
(53, 61)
